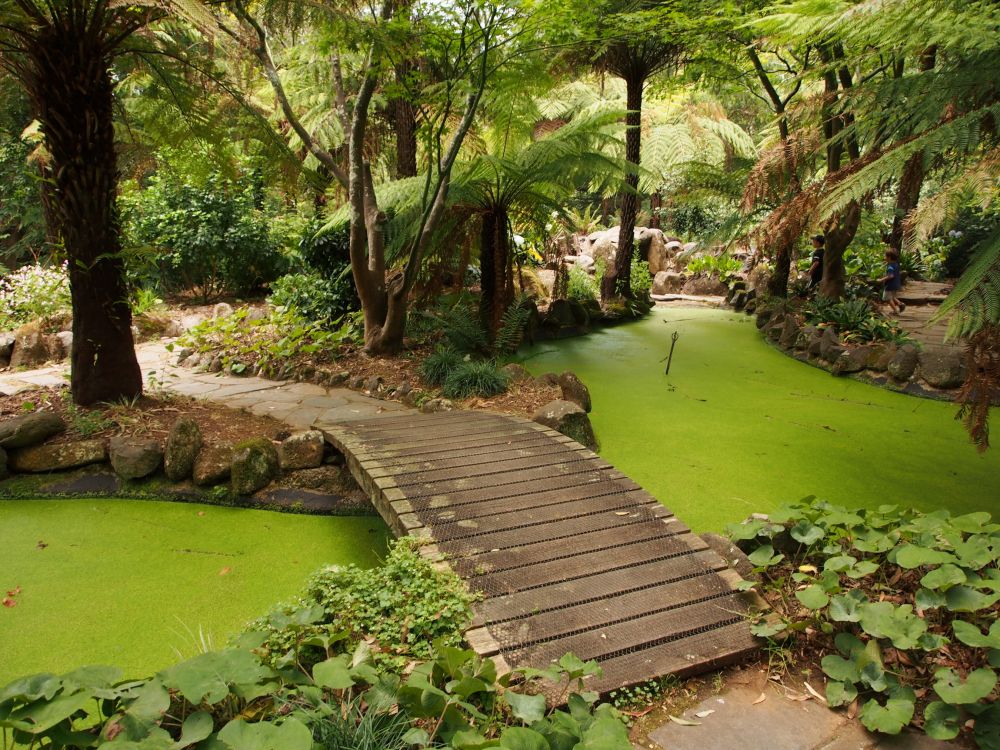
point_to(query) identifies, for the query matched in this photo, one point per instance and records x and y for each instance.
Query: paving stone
(194, 389)
(303, 390)
(228, 390)
(273, 409)
(775, 724)
(325, 402)
(303, 416)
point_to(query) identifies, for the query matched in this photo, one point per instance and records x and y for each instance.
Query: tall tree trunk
(839, 235)
(912, 179)
(655, 204)
(616, 280)
(404, 124)
(494, 265)
(72, 90)
(777, 285)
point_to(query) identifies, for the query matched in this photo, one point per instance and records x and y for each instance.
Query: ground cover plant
(902, 605)
(33, 292)
(854, 320)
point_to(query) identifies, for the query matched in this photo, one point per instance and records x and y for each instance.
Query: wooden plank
(501, 464)
(512, 483)
(415, 445)
(431, 452)
(515, 490)
(439, 430)
(442, 512)
(699, 653)
(538, 454)
(531, 554)
(635, 634)
(580, 565)
(475, 543)
(661, 597)
(595, 588)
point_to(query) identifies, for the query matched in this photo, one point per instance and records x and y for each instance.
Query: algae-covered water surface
(132, 583)
(738, 427)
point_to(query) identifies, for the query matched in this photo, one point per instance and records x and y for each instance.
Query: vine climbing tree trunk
(71, 86)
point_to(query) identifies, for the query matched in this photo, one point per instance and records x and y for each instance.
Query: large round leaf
(953, 689)
(893, 716)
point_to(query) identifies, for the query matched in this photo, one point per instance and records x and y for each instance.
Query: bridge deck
(568, 553)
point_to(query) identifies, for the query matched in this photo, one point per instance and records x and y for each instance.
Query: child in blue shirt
(892, 281)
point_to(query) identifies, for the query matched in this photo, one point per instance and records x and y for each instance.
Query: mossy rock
(255, 464)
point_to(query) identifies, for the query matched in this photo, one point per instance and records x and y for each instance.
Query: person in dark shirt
(892, 281)
(816, 269)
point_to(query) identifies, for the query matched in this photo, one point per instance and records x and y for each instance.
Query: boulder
(212, 465)
(65, 339)
(568, 418)
(6, 348)
(356, 383)
(222, 310)
(904, 362)
(516, 373)
(435, 405)
(789, 332)
(547, 378)
(851, 360)
(602, 245)
(183, 444)
(806, 334)
(413, 397)
(764, 315)
(255, 464)
(560, 313)
(574, 390)
(585, 262)
(705, 286)
(652, 248)
(133, 458)
(373, 385)
(816, 342)
(40, 458)
(829, 346)
(304, 450)
(775, 328)
(580, 315)
(879, 356)
(944, 369)
(667, 282)
(30, 348)
(29, 429)
(339, 378)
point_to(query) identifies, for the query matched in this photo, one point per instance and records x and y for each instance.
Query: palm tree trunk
(404, 124)
(494, 263)
(616, 280)
(73, 91)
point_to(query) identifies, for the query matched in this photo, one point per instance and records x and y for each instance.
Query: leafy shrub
(22, 223)
(886, 592)
(581, 286)
(724, 266)
(854, 319)
(463, 330)
(315, 297)
(439, 364)
(404, 604)
(326, 252)
(473, 378)
(513, 324)
(212, 237)
(641, 280)
(33, 292)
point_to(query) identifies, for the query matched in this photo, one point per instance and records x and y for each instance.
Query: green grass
(132, 583)
(738, 427)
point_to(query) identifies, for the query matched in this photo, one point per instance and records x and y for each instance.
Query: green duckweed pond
(738, 427)
(136, 584)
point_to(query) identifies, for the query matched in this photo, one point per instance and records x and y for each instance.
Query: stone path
(785, 719)
(298, 404)
(922, 299)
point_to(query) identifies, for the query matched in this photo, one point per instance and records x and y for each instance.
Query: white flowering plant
(33, 292)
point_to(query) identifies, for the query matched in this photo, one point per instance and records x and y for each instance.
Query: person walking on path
(892, 281)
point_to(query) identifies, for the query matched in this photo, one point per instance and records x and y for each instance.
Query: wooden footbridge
(568, 554)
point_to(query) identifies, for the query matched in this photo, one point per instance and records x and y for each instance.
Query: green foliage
(475, 378)
(31, 293)
(888, 578)
(581, 286)
(211, 237)
(723, 265)
(854, 319)
(640, 278)
(22, 224)
(439, 364)
(404, 605)
(315, 297)
(326, 250)
(270, 341)
(515, 320)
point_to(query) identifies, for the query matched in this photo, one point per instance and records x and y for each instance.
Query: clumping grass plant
(439, 364)
(481, 378)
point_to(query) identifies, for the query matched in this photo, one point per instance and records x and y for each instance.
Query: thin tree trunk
(912, 179)
(655, 204)
(494, 265)
(838, 238)
(404, 124)
(73, 93)
(616, 280)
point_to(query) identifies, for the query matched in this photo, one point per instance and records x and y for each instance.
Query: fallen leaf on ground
(799, 697)
(41, 544)
(703, 714)
(816, 695)
(8, 602)
(201, 512)
(683, 722)
(14, 591)
(852, 710)
(638, 714)
(760, 699)
(225, 571)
